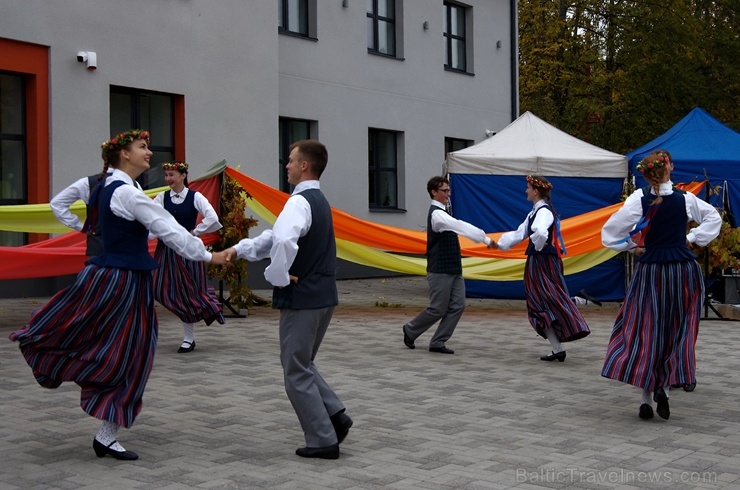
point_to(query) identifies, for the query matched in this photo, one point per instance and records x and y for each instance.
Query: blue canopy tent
(488, 184)
(701, 147)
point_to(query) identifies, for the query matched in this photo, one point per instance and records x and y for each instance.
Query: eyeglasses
(446, 191)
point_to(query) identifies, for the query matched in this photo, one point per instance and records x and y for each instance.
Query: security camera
(89, 57)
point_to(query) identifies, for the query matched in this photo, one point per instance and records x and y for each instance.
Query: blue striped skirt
(101, 333)
(654, 335)
(548, 301)
(181, 286)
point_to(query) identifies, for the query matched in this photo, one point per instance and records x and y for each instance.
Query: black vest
(185, 212)
(315, 265)
(126, 242)
(443, 249)
(548, 249)
(665, 240)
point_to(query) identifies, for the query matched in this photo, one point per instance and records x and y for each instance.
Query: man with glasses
(444, 270)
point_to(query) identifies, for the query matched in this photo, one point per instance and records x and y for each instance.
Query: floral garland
(181, 167)
(123, 139)
(537, 183)
(659, 159)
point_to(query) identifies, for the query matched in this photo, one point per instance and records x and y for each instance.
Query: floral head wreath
(181, 167)
(535, 182)
(123, 139)
(658, 159)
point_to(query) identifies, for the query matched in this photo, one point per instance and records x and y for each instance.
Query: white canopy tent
(530, 145)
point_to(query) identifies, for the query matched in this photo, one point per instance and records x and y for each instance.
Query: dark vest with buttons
(548, 249)
(315, 265)
(443, 249)
(665, 240)
(126, 242)
(185, 212)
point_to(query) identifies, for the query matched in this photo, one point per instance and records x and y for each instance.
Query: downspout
(514, 29)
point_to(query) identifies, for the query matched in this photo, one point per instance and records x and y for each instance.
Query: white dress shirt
(540, 229)
(281, 242)
(621, 223)
(60, 204)
(202, 205)
(444, 222)
(132, 204)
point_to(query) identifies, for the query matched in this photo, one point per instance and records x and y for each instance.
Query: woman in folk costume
(551, 310)
(180, 285)
(654, 336)
(101, 331)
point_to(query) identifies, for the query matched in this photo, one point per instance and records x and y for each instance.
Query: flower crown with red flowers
(535, 182)
(123, 139)
(658, 159)
(181, 167)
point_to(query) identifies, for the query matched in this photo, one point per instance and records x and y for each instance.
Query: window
(297, 17)
(455, 37)
(383, 168)
(24, 130)
(155, 112)
(381, 26)
(12, 148)
(291, 130)
(454, 144)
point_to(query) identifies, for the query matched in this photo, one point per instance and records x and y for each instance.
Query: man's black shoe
(326, 452)
(342, 423)
(442, 350)
(408, 340)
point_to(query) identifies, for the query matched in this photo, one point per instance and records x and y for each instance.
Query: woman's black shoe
(101, 451)
(646, 411)
(560, 356)
(189, 348)
(661, 399)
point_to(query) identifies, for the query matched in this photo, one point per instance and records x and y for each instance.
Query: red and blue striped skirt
(654, 336)
(548, 303)
(181, 286)
(101, 333)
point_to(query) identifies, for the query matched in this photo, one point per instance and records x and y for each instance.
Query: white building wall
(238, 75)
(336, 82)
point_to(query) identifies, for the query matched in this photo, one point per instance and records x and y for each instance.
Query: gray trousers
(446, 303)
(301, 333)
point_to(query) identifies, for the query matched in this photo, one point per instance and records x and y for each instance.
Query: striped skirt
(101, 333)
(654, 335)
(548, 301)
(181, 286)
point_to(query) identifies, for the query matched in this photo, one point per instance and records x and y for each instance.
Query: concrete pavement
(490, 416)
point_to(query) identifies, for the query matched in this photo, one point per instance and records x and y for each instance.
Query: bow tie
(177, 196)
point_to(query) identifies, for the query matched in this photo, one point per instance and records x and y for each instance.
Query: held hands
(230, 254)
(220, 258)
(493, 245)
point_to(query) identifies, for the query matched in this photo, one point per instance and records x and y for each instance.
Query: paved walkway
(490, 416)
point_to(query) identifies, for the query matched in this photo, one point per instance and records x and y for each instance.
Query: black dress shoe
(189, 348)
(442, 350)
(326, 452)
(342, 423)
(661, 399)
(646, 412)
(101, 450)
(689, 387)
(560, 356)
(583, 294)
(408, 340)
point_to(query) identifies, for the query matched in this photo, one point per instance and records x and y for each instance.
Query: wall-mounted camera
(90, 58)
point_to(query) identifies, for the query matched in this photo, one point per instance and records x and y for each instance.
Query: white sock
(109, 433)
(554, 341)
(667, 389)
(647, 397)
(188, 334)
